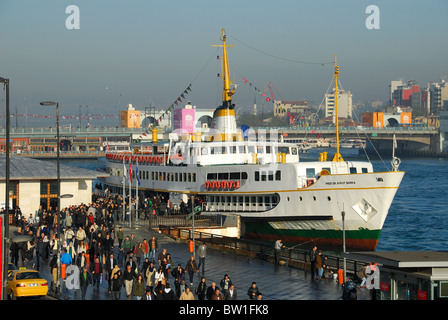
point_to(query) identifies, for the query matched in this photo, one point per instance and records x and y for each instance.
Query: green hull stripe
(265, 228)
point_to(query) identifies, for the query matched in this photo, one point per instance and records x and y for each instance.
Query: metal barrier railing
(261, 250)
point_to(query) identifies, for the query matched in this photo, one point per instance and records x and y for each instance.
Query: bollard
(340, 276)
(190, 246)
(63, 267)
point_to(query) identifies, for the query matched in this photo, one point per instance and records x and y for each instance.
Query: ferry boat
(353, 143)
(262, 181)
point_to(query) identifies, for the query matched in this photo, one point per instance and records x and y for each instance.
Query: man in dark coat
(85, 280)
(253, 291)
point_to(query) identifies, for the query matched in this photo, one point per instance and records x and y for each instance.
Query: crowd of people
(90, 241)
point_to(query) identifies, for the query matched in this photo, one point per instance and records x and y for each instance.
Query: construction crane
(269, 86)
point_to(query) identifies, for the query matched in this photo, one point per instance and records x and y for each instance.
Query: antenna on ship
(224, 115)
(337, 156)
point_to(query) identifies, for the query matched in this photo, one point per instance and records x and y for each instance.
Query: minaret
(255, 105)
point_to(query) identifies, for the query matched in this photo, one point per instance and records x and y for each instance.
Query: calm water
(418, 217)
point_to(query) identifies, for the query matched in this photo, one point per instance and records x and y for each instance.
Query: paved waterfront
(275, 283)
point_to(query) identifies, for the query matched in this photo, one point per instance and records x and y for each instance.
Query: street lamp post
(343, 243)
(5, 220)
(58, 173)
(192, 217)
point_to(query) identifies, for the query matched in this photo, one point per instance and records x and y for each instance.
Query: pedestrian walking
(187, 295)
(128, 277)
(313, 254)
(253, 291)
(115, 286)
(201, 289)
(191, 267)
(85, 281)
(319, 265)
(231, 294)
(277, 249)
(139, 287)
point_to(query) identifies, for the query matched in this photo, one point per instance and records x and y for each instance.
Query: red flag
(130, 171)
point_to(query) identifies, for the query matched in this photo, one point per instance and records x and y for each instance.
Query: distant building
(130, 118)
(298, 107)
(345, 106)
(407, 95)
(394, 86)
(33, 183)
(190, 119)
(438, 92)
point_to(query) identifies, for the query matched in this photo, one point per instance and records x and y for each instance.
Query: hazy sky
(143, 52)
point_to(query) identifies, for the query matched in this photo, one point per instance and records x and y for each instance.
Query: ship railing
(293, 257)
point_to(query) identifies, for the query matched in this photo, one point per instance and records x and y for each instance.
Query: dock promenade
(274, 282)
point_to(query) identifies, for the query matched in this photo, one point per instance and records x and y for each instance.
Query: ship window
(177, 177)
(260, 201)
(224, 150)
(185, 177)
(284, 150)
(247, 200)
(263, 176)
(329, 198)
(212, 198)
(251, 149)
(212, 176)
(257, 176)
(223, 176)
(352, 170)
(240, 200)
(180, 177)
(253, 200)
(271, 176)
(241, 149)
(278, 175)
(310, 172)
(268, 149)
(244, 175)
(189, 177)
(194, 177)
(235, 176)
(233, 149)
(364, 170)
(234, 201)
(274, 200)
(267, 200)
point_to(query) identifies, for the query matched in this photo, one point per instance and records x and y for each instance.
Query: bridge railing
(104, 131)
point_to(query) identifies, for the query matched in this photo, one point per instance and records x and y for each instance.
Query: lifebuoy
(207, 184)
(230, 183)
(218, 184)
(224, 184)
(213, 184)
(236, 184)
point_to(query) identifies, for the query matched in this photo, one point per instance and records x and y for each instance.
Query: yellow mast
(227, 92)
(337, 156)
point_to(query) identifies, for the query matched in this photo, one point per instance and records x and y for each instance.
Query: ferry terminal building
(33, 183)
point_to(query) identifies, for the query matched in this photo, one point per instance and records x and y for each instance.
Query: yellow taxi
(26, 283)
(11, 267)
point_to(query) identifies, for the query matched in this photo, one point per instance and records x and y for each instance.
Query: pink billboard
(184, 120)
